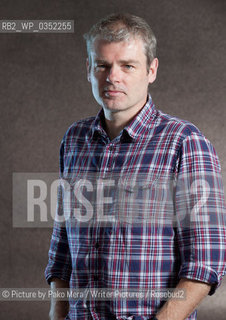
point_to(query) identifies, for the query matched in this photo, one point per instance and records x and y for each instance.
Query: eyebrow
(100, 61)
(129, 61)
(120, 61)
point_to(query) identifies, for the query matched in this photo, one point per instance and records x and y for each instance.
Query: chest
(156, 155)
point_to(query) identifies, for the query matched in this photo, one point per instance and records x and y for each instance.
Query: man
(165, 172)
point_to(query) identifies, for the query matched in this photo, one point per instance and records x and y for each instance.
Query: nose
(113, 74)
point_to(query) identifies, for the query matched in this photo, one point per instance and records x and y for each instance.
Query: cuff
(49, 274)
(201, 273)
(50, 277)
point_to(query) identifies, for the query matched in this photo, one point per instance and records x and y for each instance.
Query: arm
(200, 228)
(180, 309)
(58, 270)
(58, 309)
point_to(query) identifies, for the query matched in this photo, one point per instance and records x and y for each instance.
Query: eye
(128, 66)
(101, 66)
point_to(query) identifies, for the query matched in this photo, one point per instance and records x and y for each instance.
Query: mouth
(113, 93)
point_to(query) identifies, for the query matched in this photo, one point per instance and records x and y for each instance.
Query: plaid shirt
(183, 232)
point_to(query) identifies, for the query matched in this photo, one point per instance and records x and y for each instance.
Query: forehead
(126, 49)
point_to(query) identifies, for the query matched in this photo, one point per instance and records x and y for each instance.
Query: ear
(153, 70)
(88, 67)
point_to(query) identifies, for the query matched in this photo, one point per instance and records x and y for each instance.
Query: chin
(113, 104)
(113, 107)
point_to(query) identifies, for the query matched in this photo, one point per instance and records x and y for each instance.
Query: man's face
(118, 75)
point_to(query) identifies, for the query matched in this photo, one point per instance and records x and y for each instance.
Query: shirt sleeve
(200, 212)
(59, 264)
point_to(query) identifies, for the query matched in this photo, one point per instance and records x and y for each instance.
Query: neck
(117, 120)
(114, 127)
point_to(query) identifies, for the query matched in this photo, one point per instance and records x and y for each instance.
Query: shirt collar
(136, 127)
(142, 121)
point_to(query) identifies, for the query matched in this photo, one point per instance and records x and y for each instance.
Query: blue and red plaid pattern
(148, 255)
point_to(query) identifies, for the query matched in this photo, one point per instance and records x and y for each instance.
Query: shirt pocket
(145, 201)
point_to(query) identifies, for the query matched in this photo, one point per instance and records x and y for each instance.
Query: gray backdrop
(44, 89)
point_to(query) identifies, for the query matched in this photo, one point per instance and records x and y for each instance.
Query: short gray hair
(120, 27)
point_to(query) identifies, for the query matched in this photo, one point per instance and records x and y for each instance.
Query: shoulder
(177, 126)
(188, 137)
(194, 149)
(79, 129)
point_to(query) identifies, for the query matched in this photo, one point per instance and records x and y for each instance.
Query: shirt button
(95, 277)
(97, 245)
(111, 147)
